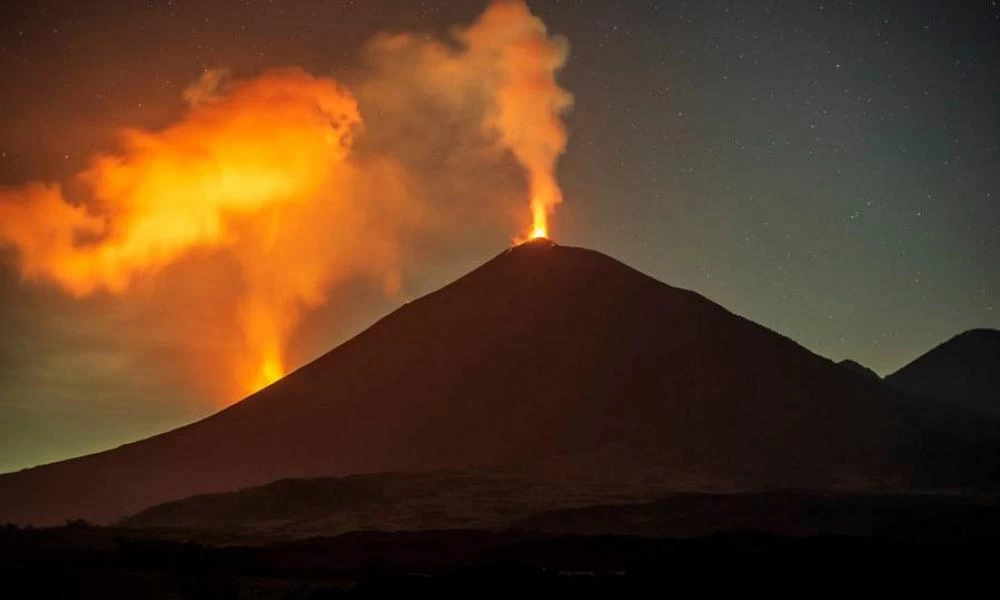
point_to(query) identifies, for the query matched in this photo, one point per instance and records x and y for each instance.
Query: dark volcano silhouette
(544, 353)
(964, 371)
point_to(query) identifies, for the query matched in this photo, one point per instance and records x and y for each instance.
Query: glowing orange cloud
(261, 146)
(280, 172)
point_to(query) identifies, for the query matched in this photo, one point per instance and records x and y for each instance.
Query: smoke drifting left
(307, 182)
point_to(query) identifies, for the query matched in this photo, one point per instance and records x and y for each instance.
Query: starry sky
(829, 169)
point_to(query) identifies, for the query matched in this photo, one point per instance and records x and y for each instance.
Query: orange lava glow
(271, 370)
(540, 221)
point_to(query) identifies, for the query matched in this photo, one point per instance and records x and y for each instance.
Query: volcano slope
(544, 354)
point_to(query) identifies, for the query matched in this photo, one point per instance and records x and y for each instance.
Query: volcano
(544, 354)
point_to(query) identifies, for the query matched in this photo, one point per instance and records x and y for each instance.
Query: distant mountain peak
(858, 368)
(964, 370)
(979, 335)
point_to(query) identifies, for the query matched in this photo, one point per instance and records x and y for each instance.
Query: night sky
(828, 169)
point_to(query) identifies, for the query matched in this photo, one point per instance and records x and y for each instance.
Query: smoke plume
(307, 182)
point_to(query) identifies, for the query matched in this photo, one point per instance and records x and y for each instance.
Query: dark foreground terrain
(107, 563)
(867, 543)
